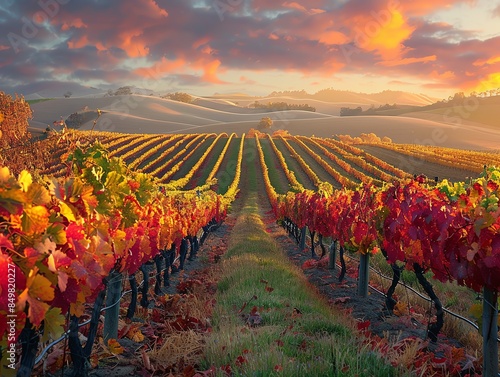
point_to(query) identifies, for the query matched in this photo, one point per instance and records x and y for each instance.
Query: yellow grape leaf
(67, 211)
(114, 347)
(120, 244)
(89, 198)
(38, 194)
(12, 199)
(53, 325)
(77, 309)
(35, 219)
(25, 180)
(51, 263)
(40, 288)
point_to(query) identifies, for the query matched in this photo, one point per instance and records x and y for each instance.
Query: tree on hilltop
(179, 96)
(123, 91)
(265, 123)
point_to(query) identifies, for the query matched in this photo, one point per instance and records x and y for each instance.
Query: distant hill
(472, 111)
(362, 99)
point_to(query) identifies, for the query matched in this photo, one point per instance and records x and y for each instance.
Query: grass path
(268, 319)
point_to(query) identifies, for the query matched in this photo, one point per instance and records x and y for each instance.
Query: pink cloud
(405, 61)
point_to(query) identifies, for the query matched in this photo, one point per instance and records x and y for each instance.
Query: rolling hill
(149, 114)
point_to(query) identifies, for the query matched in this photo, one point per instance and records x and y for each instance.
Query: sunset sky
(436, 47)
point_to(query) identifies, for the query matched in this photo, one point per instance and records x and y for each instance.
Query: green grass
(227, 169)
(294, 166)
(191, 161)
(202, 174)
(299, 333)
(276, 175)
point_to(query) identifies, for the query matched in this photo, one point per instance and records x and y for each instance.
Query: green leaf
(53, 324)
(57, 233)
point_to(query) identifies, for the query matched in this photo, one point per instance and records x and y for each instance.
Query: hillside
(150, 115)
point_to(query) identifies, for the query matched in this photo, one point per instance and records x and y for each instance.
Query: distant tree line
(280, 106)
(347, 111)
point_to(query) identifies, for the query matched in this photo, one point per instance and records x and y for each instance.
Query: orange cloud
(157, 70)
(210, 69)
(79, 43)
(132, 44)
(301, 8)
(383, 31)
(295, 5)
(333, 37)
(273, 37)
(210, 72)
(76, 23)
(406, 61)
(490, 61)
(83, 42)
(448, 75)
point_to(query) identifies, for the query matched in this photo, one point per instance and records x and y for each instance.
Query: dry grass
(180, 348)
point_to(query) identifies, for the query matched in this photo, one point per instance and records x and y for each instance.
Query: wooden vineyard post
(490, 333)
(364, 269)
(111, 316)
(332, 256)
(303, 238)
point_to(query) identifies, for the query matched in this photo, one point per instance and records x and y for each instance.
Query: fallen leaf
(114, 347)
(341, 300)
